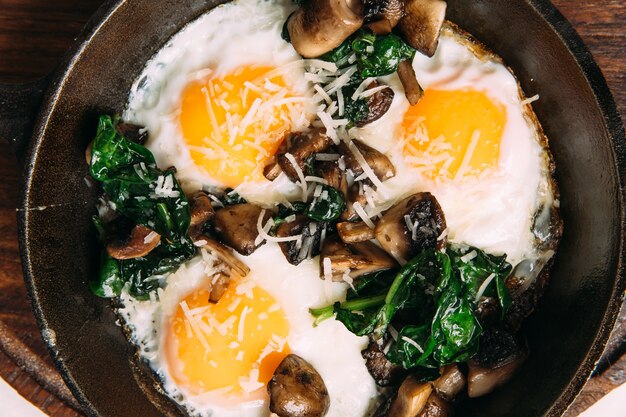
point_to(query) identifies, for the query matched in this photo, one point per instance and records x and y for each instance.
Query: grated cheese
(363, 215)
(484, 286)
(300, 174)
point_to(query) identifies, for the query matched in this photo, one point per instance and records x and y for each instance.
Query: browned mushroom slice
(412, 89)
(297, 389)
(308, 244)
(355, 232)
(330, 171)
(224, 254)
(354, 195)
(88, 153)
(412, 225)
(411, 398)
(450, 383)
(272, 169)
(303, 145)
(377, 104)
(320, 26)
(357, 259)
(236, 226)
(377, 161)
(140, 243)
(384, 372)
(133, 132)
(380, 27)
(201, 212)
(219, 285)
(388, 10)
(436, 407)
(421, 24)
(501, 354)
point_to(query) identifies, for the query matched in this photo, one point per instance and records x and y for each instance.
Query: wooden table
(34, 34)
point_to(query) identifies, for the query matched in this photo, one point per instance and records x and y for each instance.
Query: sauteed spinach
(374, 56)
(431, 300)
(140, 193)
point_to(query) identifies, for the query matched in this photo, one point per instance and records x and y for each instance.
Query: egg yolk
(454, 134)
(232, 124)
(234, 345)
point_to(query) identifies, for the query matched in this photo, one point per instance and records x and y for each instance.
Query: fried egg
(217, 358)
(221, 95)
(471, 141)
(217, 100)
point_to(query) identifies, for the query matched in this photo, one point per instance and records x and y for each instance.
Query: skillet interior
(568, 330)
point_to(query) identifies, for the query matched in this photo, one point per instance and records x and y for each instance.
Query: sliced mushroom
(411, 226)
(411, 398)
(320, 26)
(224, 254)
(307, 246)
(450, 383)
(219, 285)
(377, 161)
(272, 169)
(297, 390)
(141, 242)
(526, 284)
(380, 27)
(389, 10)
(357, 259)
(236, 226)
(488, 311)
(133, 132)
(421, 24)
(201, 212)
(412, 89)
(377, 104)
(501, 354)
(303, 146)
(88, 153)
(354, 195)
(384, 372)
(355, 232)
(436, 407)
(330, 171)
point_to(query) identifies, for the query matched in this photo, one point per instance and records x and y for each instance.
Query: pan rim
(614, 131)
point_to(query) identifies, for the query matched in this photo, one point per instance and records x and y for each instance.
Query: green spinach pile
(431, 301)
(140, 193)
(374, 56)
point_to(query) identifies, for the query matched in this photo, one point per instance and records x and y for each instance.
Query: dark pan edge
(93, 25)
(615, 131)
(554, 19)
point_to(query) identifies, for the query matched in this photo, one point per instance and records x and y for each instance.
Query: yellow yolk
(233, 345)
(232, 124)
(452, 134)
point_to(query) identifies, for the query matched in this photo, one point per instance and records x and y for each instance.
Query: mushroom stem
(412, 89)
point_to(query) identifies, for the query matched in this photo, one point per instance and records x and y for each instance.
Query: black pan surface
(566, 334)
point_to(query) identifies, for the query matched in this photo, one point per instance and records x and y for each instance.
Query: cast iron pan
(566, 334)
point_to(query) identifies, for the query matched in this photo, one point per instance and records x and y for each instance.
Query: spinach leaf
(475, 266)
(231, 197)
(327, 207)
(379, 55)
(285, 211)
(433, 298)
(109, 281)
(145, 195)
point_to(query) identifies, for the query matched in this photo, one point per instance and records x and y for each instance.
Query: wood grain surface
(34, 34)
